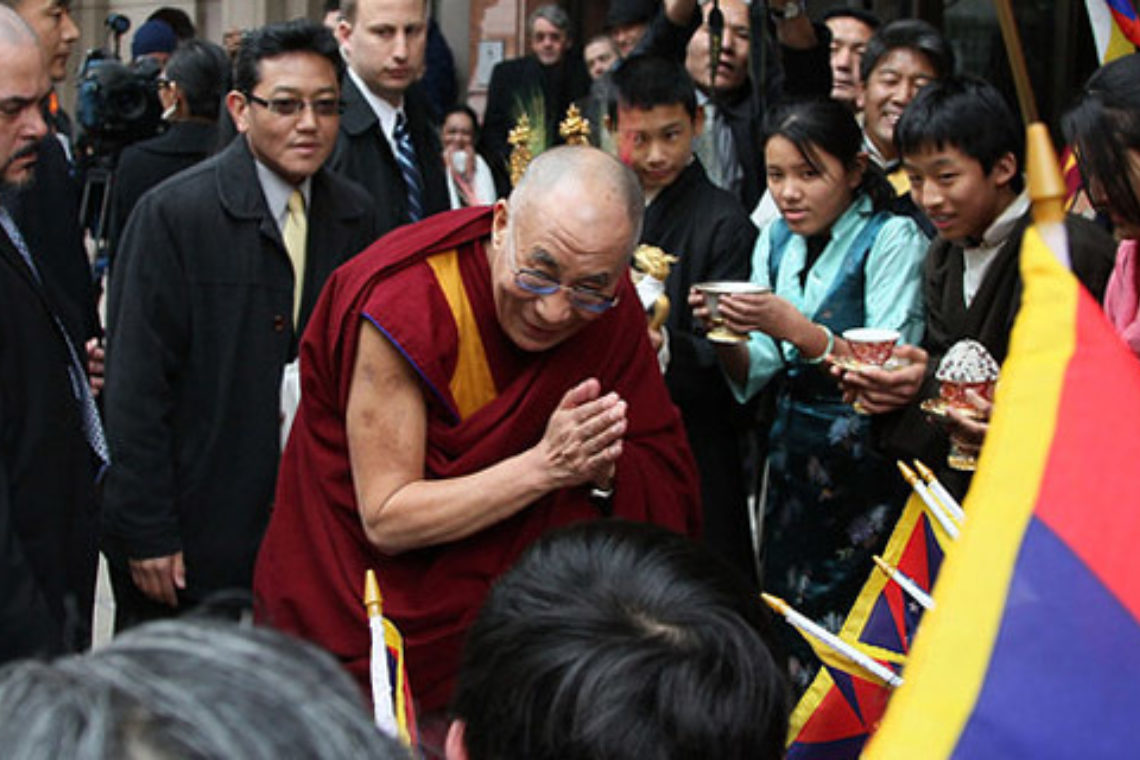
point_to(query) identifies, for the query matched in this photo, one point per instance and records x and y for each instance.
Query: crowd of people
(340, 337)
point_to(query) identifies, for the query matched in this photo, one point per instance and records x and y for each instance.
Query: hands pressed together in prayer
(583, 438)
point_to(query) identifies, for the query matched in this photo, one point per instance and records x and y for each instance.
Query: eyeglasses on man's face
(540, 283)
(295, 106)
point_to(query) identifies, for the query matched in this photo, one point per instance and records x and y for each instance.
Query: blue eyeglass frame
(573, 292)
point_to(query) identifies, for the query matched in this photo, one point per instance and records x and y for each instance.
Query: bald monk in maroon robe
(469, 383)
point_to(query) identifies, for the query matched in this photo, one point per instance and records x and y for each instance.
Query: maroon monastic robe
(310, 572)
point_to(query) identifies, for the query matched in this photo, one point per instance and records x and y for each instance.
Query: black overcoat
(200, 327)
(145, 164)
(48, 520)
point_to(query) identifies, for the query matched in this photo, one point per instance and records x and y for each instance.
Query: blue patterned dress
(829, 500)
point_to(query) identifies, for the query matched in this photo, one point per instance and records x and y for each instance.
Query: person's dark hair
(463, 108)
(914, 34)
(202, 71)
(272, 40)
(331, 5)
(178, 20)
(612, 640)
(188, 688)
(648, 81)
(1103, 125)
(966, 113)
(865, 17)
(826, 125)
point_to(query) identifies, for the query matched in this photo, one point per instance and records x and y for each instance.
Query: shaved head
(24, 84)
(14, 30)
(573, 221)
(602, 184)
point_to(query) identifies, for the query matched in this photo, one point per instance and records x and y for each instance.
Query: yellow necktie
(295, 233)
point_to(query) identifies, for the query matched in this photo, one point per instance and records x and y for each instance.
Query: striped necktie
(406, 157)
(294, 234)
(92, 426)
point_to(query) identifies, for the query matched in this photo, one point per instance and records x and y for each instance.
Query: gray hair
(188, 688)
(552, 13)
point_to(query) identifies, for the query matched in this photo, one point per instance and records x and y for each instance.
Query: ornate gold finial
(373, 601)
(574, 130)
(519, 138)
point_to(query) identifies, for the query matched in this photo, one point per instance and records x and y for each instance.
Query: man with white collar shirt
(387, 142)
(963, 150)
(218, 270)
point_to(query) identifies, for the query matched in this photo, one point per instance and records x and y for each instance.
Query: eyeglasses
(295, 106)
(163, 83)
(541, 284)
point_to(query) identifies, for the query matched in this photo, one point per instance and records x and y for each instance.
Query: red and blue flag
(1033, 649)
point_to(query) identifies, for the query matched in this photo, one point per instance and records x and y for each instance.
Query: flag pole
(933, 507)
(1046, 191)
(1016, 55)
(905, 583)
(940, 492)
(831, 641)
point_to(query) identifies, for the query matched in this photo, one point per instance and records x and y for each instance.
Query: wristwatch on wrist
(792, 9)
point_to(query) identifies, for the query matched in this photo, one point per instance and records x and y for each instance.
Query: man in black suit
(218, 270)
(49, 430)
(542, 85)
(387, 141)
(656, 120)
(47, 210)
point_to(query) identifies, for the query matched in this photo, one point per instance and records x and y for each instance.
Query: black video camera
(116, 103)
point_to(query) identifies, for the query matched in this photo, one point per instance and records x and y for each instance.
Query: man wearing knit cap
(154, 39)
(627, 20)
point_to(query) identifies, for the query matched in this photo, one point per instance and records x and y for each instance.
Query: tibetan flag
(402, 706)
(392, 704)
(1034, 648)
(840, 710)
(1115, 27)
